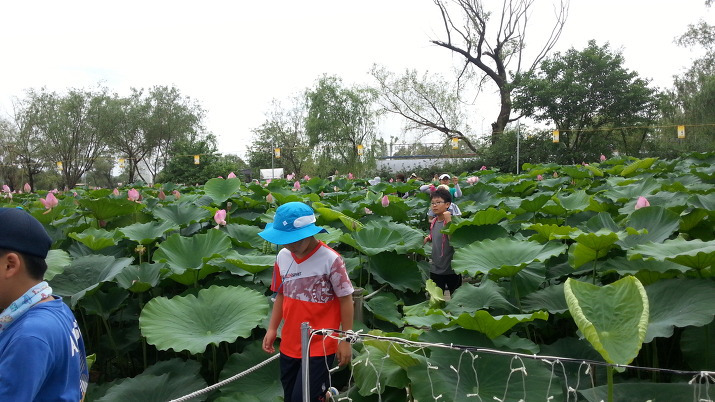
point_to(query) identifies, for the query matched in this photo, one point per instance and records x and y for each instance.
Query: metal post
(305, 359)
(273, 153)
(357, 304)
(518, 136)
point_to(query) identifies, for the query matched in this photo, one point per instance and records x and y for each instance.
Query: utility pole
(518, 137)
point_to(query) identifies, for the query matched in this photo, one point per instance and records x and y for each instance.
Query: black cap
(23, 233)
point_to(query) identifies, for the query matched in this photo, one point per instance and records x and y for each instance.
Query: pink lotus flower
(556, 174)
(322, 194)
(539, 177)
(176, 194)
(432, 188)
(162, 195)
(269, 198)
(306, 177)
(220, 177)
(367, 211)
(50, 201)
(74, 194)
(115, 192)
(603, 157)
(296, 186)
(55, 191)
(220, 217)
(133, 195)
(391, 180)
(5, 188)
(27, 188)
(231, 176)
(472, 179)
(385, 201)
(642, 202)
(290, 176)
(483, 168)
(350, 176)
(268, 181)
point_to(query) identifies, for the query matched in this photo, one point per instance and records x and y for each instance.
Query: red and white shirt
(311, 287)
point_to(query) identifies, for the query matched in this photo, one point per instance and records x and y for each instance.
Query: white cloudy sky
(234, 57)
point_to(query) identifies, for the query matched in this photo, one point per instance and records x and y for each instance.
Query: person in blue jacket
(42, 355)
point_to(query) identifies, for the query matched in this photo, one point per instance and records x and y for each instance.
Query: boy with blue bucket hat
(311, 285)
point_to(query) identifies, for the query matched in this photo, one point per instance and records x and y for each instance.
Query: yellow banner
(197, 159)
(681, 132)
(556, 135)
(455, 143)
(277, 152)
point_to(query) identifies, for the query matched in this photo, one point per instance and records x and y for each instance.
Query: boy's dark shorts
(291, 377)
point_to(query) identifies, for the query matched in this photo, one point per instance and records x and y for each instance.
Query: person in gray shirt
(441, 271)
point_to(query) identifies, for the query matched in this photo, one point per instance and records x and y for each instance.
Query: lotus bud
(483, 168)
(335, 188)
(140, 249)
(162, 195)
(556, 174)
(603, 157)
(385, 201)
(176, 194)
(269, 198)
(367, 211)
(350, 176)
(50, 201)
(306, 177)
(115, 192)
(27, 188)
(642, 202)
(133, 195)
(5, 188)
(231, 176)
(539, 177)
(322, 194)
(391, 180)
(296, 186)
(220, 217)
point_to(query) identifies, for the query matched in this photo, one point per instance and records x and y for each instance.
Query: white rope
(226, 381)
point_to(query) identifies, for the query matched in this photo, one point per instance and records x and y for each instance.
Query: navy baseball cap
(293, 221)
(23, 233)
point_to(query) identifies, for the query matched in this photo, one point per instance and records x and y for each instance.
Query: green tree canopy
(182, 169)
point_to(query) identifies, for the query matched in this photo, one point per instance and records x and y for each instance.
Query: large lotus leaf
(436, 295)
(468, 298)
(520, 189)
(221, 189)
(253, 263)
(534, 203)
(421, 315)
(632, 190)
(184, 253)
(679, 303)
(97, 239)
(454, 375)
(703, 201)
(398, 270)
(690, 220)
(331, 215)
(264, 385)
(502, 256)
(646, 391)
(108, 208)
(56, 261)
(245, 236)
(600, 222)
(696, 253)
(146, 233)
(85, 274)
(397, 209)
(643, 268)
(591, 246)
(697, 346)
(527, 280)
(546, 232)
(332, 237)
(182, 214)
(377, 237)
(215, 315)
(658, 221)
(140, 278)
(469, 234)
(384, 307)
(631, 169)
(577, 201)
(552, 208)
(489, 216)
(375, 369)
(576, 172)
(103, 303)
(613, 318)
(550, 299)
(161, 382)
(493, 326)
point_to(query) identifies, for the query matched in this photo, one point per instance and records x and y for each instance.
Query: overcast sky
(234, 57)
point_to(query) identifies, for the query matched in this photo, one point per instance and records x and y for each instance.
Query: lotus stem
(375, 292)
(609, 375)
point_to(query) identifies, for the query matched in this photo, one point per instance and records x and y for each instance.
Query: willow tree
(492, 43)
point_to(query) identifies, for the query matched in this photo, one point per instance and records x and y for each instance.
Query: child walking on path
(441, 271)
(311, 285)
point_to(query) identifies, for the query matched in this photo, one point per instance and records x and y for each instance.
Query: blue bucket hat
(293, 221)
(23, 233)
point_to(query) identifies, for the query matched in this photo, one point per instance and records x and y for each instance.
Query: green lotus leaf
(546, 232)
(601, 221)
(384, 307)
(215, 315)
(576, 201)
(550, 299)
(534, 203)
(591, 246)
(613, 318)
(632, 190)
(520, 189)
(552, 208)
(56, 261)
(436, 295)
(103, 303)
(376, 369)
(85, 274)
(264, 385)
(377, 237)
(631, 169)
(502, 256)
(284, 198)
(454, 376)
(97, 239)
(221, 189)
(645, 391)
(480, 218)
(245, 236)
(190, 253)
(331, 215)
(182, 214)
(679, 303)
(146, 233)
(107, 208)
(467, 235)
(398, 270)
(624, 266)
(703, 201)
(493, 326)
(696, 253)
(658, 221)
(421, 315)
(164, 381)
(332, 237)
(397, 209)
(596, 171)
(253, 263)
(468, 298)
(692, 219)
(140, 278)
(576, 172)
(697, 346)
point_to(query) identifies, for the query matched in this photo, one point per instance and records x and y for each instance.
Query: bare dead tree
(494, 43)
